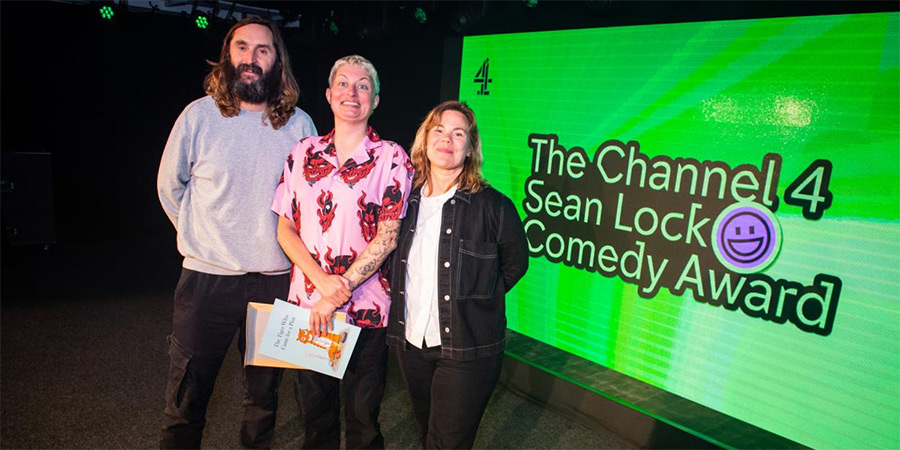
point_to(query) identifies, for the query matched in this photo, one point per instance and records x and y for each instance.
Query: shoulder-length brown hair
(280, 109)
(471, 179)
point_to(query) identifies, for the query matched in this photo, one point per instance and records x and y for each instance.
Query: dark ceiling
(373, 20)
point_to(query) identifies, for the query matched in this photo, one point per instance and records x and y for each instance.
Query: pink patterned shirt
(337, 210)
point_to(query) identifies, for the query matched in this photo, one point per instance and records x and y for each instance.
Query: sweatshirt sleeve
(175, 168)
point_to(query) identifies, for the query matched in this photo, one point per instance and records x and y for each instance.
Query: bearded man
(218, 172)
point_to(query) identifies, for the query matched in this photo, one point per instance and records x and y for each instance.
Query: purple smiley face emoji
(747, 237)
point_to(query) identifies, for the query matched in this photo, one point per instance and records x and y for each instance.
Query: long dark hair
(281, 107)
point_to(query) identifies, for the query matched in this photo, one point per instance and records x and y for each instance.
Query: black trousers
(209, 309)
(448, 397)
(319, 397)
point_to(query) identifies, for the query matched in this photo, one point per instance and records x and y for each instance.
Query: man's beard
(264, 89)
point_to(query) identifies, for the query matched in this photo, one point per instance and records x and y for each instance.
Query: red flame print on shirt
(383, 278)
(391, 202)
(354, 172)
(315, 167)
(326, 210)
(368, 217)
(339, 264)
(295, 212)
(365, 318)
(410, 169)
(308, 285)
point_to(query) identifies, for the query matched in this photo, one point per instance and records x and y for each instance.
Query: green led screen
(712, 208)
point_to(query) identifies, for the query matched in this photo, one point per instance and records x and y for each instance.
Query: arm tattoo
(375, 253)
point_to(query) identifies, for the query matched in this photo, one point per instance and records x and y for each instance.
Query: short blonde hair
(471, 179)
(359, 61)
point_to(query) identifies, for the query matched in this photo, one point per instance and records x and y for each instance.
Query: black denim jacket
(482, 253)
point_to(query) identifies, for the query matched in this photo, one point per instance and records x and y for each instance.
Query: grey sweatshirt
(216, 181)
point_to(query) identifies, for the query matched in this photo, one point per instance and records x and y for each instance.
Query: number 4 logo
(810, 190)
(482, 78)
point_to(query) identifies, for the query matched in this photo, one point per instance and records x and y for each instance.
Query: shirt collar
(360, 155)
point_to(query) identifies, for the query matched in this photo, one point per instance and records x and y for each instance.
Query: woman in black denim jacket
(461, 248)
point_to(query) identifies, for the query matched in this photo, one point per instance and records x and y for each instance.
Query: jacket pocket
(476, 269)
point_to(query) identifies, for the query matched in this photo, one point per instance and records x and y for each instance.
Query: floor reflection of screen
(712, 208)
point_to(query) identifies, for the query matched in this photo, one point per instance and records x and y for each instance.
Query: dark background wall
(101, 96)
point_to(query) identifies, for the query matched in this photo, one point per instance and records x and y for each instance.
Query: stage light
(420, 15)
(530, 3)
(202, 22)
(330, 23)
(106, 12)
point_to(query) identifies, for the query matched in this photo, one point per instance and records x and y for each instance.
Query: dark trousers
(319, 397)
(448, 397)
(209, 309)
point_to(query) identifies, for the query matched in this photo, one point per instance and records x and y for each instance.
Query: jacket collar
(417, 193)
(464, 196)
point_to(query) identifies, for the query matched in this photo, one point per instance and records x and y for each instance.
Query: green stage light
(420, 15)
(202, 22)
(106, 12)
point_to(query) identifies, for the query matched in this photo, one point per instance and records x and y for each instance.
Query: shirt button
(449, 230)
(446, 330)
(452, 201)
(403, 261)
(447, 264)
(447, 298)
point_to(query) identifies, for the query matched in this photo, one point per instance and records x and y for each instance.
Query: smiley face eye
(737, 231)
(751, 229)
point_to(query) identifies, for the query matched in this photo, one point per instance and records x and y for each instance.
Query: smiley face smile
(747, 237)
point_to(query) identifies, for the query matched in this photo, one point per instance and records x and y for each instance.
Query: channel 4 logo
(483, 79)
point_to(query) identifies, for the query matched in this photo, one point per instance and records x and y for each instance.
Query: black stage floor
(83, 361)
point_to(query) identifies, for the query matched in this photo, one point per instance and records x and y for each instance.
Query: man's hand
(320, 318)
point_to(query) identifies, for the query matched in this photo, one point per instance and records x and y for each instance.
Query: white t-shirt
(422, 272)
